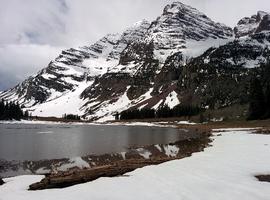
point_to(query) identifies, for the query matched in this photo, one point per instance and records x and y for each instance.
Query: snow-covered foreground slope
(224, 171)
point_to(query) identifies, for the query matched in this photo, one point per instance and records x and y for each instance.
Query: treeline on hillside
(163, 112)
(71, 117)
(259, 106)
(11, 111)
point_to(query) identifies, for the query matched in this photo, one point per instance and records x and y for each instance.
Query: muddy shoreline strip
(263, 178)
(133, 160)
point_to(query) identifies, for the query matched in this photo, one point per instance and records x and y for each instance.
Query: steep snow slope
(72, 70)
(62, 75)
(69, 102)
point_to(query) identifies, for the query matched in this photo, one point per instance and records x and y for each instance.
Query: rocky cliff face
(220, 77)
(182, 56)
(254, 24)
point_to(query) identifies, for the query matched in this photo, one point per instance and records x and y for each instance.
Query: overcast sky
(33, 32)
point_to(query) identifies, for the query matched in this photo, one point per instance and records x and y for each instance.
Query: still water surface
(41, 141)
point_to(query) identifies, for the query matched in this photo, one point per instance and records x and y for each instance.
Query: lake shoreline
(120, 164)
(230, 164)
(119, 168)
(114, 164)
(14, 168)
(110, 123)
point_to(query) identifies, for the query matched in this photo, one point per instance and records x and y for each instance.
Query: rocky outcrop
(264, 25)
(254, 24)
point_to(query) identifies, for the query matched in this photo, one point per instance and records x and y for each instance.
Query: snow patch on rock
(172, 100)
(171, 150)
(74, 162)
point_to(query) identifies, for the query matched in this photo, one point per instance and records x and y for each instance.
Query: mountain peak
(180, 9)
(176, 7)
(182, 22)
(261, 14)
(254, 24)
(137, 29)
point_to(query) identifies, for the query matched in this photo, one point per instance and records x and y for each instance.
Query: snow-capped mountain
(149, 65)
(74, 69)
(178, 27)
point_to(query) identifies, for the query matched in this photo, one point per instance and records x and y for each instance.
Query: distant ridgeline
(11, 111)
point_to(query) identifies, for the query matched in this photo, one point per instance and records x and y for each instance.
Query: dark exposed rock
(169, 73)
(263, 178)
(264, 25)
(254, 24)
(1, 181)
(137, 52)
(219, 77)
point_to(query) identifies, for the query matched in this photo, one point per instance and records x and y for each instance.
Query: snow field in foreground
(223, 171)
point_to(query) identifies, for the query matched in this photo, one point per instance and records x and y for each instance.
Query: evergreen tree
(10, 111)
(71, 117)
(257, 103)
(267, 101)
(163, 112)
(26, 115)
(2, 109)
(202, 118)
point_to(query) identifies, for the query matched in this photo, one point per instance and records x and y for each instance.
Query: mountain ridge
(148, 65)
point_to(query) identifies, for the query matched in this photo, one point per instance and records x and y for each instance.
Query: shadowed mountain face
(181, 57)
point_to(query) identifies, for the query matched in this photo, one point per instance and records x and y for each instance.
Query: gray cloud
(23, 60)
(34, 31)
